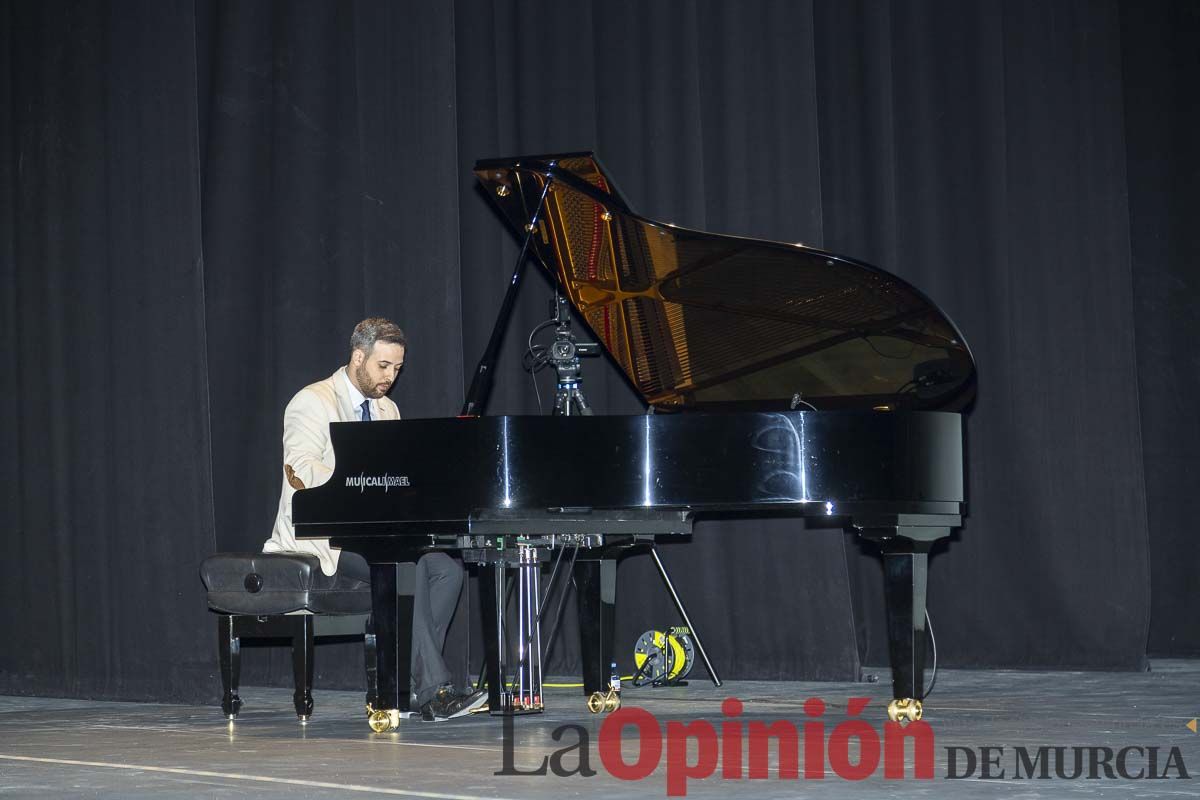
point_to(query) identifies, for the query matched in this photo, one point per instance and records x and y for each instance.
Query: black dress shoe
(448, 704)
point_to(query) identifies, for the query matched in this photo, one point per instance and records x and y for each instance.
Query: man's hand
(305, 440)
(292, 480)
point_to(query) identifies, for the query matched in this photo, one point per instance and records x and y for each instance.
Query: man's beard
(363, 381)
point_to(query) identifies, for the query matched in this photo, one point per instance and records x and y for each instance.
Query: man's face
(375, 372)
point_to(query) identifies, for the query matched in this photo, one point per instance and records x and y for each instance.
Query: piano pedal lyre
(521, 691)
(904, 710)
(525, 696)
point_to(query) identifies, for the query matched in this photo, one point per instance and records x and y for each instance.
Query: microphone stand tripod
(565, 352)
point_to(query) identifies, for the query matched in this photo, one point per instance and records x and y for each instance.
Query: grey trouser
(437, 583)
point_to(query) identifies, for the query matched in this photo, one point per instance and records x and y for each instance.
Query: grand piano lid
(700, 320)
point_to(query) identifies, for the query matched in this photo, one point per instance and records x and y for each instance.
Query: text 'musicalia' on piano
(828, 388)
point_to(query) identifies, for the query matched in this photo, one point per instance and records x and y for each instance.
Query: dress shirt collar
(357, 397)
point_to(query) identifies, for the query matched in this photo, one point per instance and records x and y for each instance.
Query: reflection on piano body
(806, 384)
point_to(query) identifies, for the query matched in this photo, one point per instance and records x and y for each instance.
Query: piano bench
(287, 596)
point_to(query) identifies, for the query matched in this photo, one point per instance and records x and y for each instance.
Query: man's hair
(376, 329)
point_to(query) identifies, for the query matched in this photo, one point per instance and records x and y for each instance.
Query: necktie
(366, 410)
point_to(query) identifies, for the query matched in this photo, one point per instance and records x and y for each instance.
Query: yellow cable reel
(663, 657)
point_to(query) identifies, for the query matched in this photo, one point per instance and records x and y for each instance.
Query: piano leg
(491, 584)
(596, 582)
(392, 587)
(905, 569)
(371, 660)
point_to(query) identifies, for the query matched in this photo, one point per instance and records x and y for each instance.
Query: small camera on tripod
(566, 350)
(564, 354)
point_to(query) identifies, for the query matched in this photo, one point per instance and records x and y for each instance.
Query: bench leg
(302, 664)
(229, 647)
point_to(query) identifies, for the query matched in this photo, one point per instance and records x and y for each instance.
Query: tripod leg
(662, 570)
(581, 407)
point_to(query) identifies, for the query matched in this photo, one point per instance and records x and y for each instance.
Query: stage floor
(69, 748)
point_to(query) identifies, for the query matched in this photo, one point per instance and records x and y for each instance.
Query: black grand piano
(777, 378)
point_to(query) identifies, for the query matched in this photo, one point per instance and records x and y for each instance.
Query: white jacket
(309, 453)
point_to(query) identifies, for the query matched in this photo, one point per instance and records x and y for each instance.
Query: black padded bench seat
(286, 595)
(280, 583)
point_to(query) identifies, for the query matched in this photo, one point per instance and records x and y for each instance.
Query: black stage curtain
(199, 199)
(1162, 114)
(107, 502)
(989, 169)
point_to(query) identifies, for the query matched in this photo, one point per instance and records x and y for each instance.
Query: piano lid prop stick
(481, 384)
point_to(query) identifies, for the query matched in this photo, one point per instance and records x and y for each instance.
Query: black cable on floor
(933, 642)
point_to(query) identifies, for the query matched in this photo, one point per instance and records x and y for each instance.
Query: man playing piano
(358, 392)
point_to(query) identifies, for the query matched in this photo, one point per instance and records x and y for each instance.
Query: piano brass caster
(383, 720)
(604, 702)
(904, 710)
